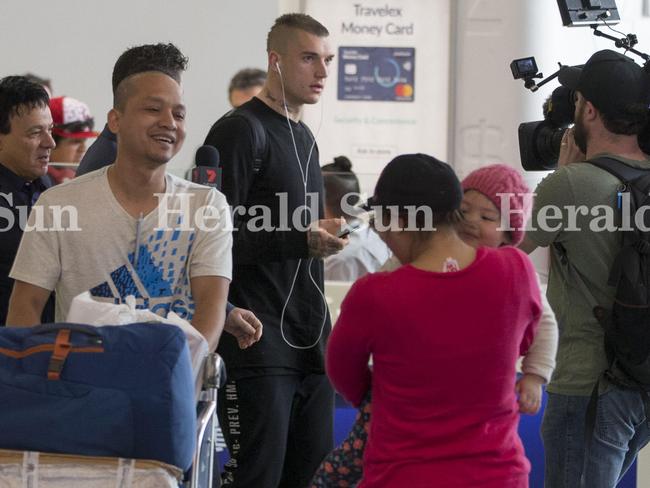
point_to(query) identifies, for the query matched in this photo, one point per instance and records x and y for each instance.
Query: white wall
(76, 43)
(489, 103)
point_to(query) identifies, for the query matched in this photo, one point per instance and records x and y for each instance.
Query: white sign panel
(387, 90)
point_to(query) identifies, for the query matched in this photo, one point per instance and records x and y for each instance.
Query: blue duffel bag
(120, 391)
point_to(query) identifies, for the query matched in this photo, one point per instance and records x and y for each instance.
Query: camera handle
(628, 42)
(529, 81)
(537, 86)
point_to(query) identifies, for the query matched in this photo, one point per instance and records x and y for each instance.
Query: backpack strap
(636, 182)
(260, 140)
(622, 171)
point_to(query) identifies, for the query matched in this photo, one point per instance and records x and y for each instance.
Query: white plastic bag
(86, 310)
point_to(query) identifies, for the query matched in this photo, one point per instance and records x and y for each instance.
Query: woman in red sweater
(444, 332)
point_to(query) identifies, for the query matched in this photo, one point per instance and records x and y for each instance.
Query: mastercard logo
(404, 90)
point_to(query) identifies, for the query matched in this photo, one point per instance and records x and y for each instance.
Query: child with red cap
(73, 126)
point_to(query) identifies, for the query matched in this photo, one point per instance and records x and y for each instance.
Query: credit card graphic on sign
(376, 74)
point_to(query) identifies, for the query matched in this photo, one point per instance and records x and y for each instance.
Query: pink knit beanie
(501, 178)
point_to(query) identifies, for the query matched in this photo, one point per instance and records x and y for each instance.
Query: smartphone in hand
(348, 229)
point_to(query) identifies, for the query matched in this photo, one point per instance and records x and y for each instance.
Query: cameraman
(611, 110)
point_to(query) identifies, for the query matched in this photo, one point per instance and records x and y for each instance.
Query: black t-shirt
(265, 262)
(101, 153)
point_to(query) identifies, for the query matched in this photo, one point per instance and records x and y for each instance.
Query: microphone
(207, 171)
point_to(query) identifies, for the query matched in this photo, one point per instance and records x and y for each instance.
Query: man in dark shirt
(276, 409)
(101, 153)
(25, 145)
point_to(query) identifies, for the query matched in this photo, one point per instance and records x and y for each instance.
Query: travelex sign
(368, 69)
(394, 24)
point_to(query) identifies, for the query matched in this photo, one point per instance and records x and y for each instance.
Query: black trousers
(277, 428)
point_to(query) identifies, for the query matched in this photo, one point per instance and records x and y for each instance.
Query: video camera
(539, 141)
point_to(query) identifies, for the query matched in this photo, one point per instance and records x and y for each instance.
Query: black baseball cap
(418, 180)
(611, 81)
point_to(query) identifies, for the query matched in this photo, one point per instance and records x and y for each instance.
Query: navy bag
(119, 391)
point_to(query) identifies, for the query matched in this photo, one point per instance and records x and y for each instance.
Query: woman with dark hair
(365, 252)
(444, 331)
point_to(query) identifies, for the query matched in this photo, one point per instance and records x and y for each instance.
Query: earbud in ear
(277, 66)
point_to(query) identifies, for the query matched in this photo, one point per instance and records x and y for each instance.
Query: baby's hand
(529, 389)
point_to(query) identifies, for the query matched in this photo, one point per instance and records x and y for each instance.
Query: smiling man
(25, 146)
(121, 249)
(277, 408)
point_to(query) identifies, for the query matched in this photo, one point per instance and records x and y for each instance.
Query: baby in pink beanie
(487, 191)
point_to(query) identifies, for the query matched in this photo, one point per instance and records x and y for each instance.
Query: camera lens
(539, 145)
(549, 140)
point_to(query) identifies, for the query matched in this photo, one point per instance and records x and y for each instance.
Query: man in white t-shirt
(131, 228)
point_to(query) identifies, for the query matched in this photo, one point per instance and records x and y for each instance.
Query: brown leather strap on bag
(62, 348)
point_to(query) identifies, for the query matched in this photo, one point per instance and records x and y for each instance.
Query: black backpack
(627, 324)
(259, 134)
(260, 139)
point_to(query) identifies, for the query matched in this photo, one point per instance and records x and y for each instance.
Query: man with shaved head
(276, 410)
(157, 57)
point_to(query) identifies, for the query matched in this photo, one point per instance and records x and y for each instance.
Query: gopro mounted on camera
(525, 69)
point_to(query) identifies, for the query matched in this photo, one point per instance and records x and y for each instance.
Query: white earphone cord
(305, 176)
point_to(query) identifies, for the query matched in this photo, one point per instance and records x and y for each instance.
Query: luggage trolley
(202, 474)
(29, 469)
